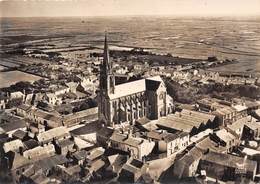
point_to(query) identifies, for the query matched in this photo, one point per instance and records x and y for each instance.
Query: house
(200, 136)
(3, 102)
(59, 89)
(246, 128)
(16, 95)
(72, 174)
(90, 114)
(9, 124)
(172, 143)
(241, 110)
(45, 118)
(39, 152)
(23, 110)
(95, 154)
(238, 126)
(52, 99)
(39, 171)
(187, 165)
(138, 67)
(222, 141)
(72, 86)
(226, 112)
(212, 104)
(103, 135)
(58, 133)
(132, 171)
(17, 164)
(135, 146)
(225, 115)
(20, 134)
(38, 178)
(252, 105)
(96, 166)
(35, 129)
(14, 146)
(30, 99)
(87, 132)
(48, 163)
(228, 137)
(169, 143)
(80, 157)
(116, 162)
(64, 146)
(251, 130)
(227, 167)
(188, 121)
(81, 144)
(30, 144)
(256, 114)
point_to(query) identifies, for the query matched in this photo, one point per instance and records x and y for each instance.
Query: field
(184, 37)
(11, 77)
(16, 60)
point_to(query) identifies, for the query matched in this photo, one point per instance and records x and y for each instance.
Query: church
(125, 103)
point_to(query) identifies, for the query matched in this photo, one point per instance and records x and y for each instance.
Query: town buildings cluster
(92, 129)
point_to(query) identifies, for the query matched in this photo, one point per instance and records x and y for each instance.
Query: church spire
(107, 78)
(106, 61)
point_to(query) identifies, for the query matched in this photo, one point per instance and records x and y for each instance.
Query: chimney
(21, 151)
(130, 133)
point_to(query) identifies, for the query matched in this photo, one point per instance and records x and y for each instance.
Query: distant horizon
(132, 16)
(104, 8)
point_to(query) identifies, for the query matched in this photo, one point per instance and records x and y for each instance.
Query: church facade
(128, 102)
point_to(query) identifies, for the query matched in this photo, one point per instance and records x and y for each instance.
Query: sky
(50, 8)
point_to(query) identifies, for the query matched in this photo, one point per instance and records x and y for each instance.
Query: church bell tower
(106, 85)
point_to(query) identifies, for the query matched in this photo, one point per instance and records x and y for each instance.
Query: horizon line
(141, 15)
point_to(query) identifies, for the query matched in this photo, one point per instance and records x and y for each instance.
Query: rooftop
(225, 110)
(226, 135)
(50, 162)
(31, 143)
(137, 86)
(65, 142)
(230, 161)
(240, 108)
(12, 122)
(53, 133)
(170, 136)
(185, 120)
(13, 145)
(207, 143)
(19, 161)
(46, 115)
(193, 155)
(127, 139)
(40, 152)
(80, 155)
(81, 114)
(249, 121)
(95, 153)
(24, 107)
(20, 134)
(96, 165)
(133, 166)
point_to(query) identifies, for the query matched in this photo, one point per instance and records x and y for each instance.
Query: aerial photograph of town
(129, 91)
